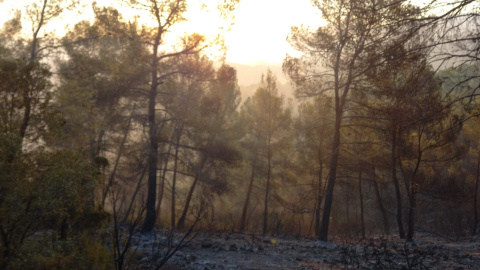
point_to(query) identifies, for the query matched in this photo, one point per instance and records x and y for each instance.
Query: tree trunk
(161, 188)
(243, 220)
(347, 212)
(174, 180)
(149, 222)
(161, 192)
(267, 193)
(198, 175)
(132, 200)
(398, 196)
(181, 220)
(411, 187)
(319, 200)
(327, 208)
(412, 190)
(26, 97)
(411, 214)
(381, 207)
(360, 193)
(117, 159)
(475, 196)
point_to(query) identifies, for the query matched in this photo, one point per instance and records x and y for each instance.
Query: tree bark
(319, 199)
(267, 193)
(411, 214)
(475, 198)
(243, 219)
(181, 220)
(381, 207)
(327, 208)
(161, 188)
(340, 99)
(117, 159)
(360, 193)
(149, 222)
(198, 174)
(174, 179)
(412, 190)
(132, 200)
(398, 196)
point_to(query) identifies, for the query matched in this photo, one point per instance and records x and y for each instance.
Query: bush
(80, 252)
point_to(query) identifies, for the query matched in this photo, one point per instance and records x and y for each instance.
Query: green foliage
(23, 95)
(105, 61)
(80, 252)
(64, 186)
(101, 162)
(44, 190)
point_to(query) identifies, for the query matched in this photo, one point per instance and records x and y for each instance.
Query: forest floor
(207, 250)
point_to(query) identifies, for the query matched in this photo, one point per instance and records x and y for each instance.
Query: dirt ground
(207, 250)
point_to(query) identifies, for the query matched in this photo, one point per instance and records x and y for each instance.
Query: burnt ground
(207, 250)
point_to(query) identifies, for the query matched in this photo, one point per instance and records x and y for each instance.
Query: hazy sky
(261, 28)
(257, 36)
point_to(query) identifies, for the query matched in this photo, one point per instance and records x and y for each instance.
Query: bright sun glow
(262, 26)
(258, 33)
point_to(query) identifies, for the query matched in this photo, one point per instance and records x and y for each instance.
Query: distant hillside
(249, 78)
(285, 89)
(248, 74)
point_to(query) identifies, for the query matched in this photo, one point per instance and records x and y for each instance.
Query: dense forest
(113, 126)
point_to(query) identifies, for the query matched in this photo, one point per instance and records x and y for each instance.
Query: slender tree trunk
(475, 198)
(381, 207)
(27, 100)
(319, 199)
(117, 159)
(174, 180)
(123, 202)
(181, 220)
(411, 214)
(398, 196)
(327, 208)
(243, 219)
(267, 193)
(132, 200)
(161, 188)
(412, 190)
(347, 211)
(360, 193)
(27, 103)
(198, 175)
(149, 222)
(161, 192)
(33, 50)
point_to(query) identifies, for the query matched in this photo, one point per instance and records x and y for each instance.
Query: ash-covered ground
(221, 250)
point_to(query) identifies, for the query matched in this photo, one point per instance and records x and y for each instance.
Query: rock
(232, 247)
(207, 244)
(180, 254)
(191, 258)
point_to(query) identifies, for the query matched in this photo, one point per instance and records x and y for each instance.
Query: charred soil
(221, 250)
